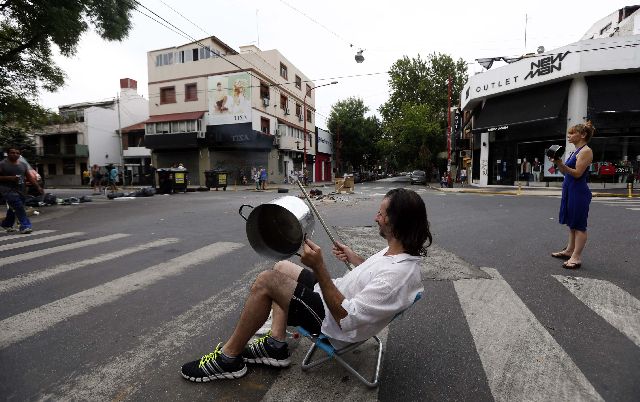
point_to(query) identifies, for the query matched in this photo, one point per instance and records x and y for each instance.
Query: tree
(414, 118)
(15, 136)
(358, 134)
(27, 30)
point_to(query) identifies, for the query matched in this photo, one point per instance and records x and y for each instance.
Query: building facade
(518, 110)
(87, 135)
(324, 156)
(212, 107)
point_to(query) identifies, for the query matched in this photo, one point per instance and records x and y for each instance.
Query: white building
(87, 135)
(524, 107)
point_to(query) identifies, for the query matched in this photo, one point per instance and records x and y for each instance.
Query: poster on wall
(229, 99)
(550, 169)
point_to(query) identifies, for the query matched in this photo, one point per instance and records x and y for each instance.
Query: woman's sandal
(561, 255)
(571, 265)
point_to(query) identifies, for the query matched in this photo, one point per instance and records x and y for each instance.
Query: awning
(134, 127)
(175, 117)
(617, 93)
(535, 105)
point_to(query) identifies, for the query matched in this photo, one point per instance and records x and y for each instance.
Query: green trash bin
(216, 178)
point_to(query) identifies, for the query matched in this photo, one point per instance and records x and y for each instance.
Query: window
(283, 102)
(68, 166)
(298, 82)
(298, 110)
(264, 125)
(283, 71)
(264, 90)
(167, 95)
(150, 128)
(205, 52)
(309, 115)
(308, 90)
(164, 59)
(51, 167)
(195, 54)
(190, 92)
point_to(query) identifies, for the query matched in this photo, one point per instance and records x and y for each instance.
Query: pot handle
(240, 210)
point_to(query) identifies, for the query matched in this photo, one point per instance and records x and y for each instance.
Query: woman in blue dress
(576, 196)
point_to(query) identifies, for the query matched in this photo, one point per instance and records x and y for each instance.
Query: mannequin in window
(525, 169)
(536, 168)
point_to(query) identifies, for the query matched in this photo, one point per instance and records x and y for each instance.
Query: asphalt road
(118, 294)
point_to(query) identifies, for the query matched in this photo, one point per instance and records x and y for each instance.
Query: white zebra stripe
(52, 250)
(520, 358)
(24, 325)
(615, 305)
(26, 280)
(41, 240)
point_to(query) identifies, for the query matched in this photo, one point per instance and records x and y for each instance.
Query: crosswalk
(631, 204)
(519, 357)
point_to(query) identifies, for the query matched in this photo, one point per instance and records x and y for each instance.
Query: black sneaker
(214, 366)
(265, 351)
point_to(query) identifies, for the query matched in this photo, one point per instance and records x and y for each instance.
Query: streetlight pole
(449, 127)
(304, 117)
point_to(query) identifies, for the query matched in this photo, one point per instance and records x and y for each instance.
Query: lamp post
(304, 116)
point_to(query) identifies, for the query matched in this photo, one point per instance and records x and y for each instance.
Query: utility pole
(120, 139)
(449, 127)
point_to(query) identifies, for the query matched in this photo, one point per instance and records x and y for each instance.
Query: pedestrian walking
(113, 179)
(263, 178)
(96, 179)
(13, 177)
(576, 195)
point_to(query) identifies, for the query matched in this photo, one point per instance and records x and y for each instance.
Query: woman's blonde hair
(585, 128)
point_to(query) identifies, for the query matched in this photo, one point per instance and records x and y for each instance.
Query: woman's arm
(583, 160)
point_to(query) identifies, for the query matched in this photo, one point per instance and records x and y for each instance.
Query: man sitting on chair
(349, 309)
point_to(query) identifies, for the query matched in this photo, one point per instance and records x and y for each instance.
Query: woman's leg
(571, 243)
(580, 240)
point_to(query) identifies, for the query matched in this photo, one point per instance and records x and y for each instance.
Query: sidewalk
(524, 190)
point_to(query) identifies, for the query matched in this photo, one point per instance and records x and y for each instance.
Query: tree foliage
(415, 116)
(15, 136)
(27, 31)
(358, 134)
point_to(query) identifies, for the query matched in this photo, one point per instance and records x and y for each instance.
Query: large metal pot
(278, 228)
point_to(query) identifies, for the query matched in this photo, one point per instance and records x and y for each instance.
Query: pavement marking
(634, 209)
(24, 325)
(31, 278)
(615, 305)
(156, 350)
(41, 240)
(20, 236)
(521, 359)
(52, 250)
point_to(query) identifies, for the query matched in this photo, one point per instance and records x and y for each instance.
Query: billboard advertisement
(229, 99)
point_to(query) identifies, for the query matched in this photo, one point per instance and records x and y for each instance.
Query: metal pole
(315, 211)
(449, 127)
(120, 141)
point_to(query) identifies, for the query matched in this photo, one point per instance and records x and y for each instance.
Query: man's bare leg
(279, 315)
(270, 287)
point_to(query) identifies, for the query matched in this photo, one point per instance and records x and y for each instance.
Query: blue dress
(576, 197)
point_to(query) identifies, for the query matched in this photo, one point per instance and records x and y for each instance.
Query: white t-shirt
(375, 291)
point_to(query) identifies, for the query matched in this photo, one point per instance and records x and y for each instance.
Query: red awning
(134, 127)
(175, 117)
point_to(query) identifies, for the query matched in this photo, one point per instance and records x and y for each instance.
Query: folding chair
(323, 343)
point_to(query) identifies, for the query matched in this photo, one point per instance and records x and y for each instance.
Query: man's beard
(381, 232)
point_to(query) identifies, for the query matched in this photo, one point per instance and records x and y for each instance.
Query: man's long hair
(408, 218)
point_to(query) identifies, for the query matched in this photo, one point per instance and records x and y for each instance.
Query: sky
(321, 39)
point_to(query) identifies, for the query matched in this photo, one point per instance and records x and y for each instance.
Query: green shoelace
(261, 340)
(211, 356)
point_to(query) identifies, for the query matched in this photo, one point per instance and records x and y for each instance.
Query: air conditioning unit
(265, 101)
(202, 135)
(286, 111)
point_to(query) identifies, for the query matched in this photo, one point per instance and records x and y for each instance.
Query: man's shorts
(306, 308)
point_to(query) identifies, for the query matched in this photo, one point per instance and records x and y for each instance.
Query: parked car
(418, 177)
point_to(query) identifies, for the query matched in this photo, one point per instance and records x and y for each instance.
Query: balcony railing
(73, 150)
